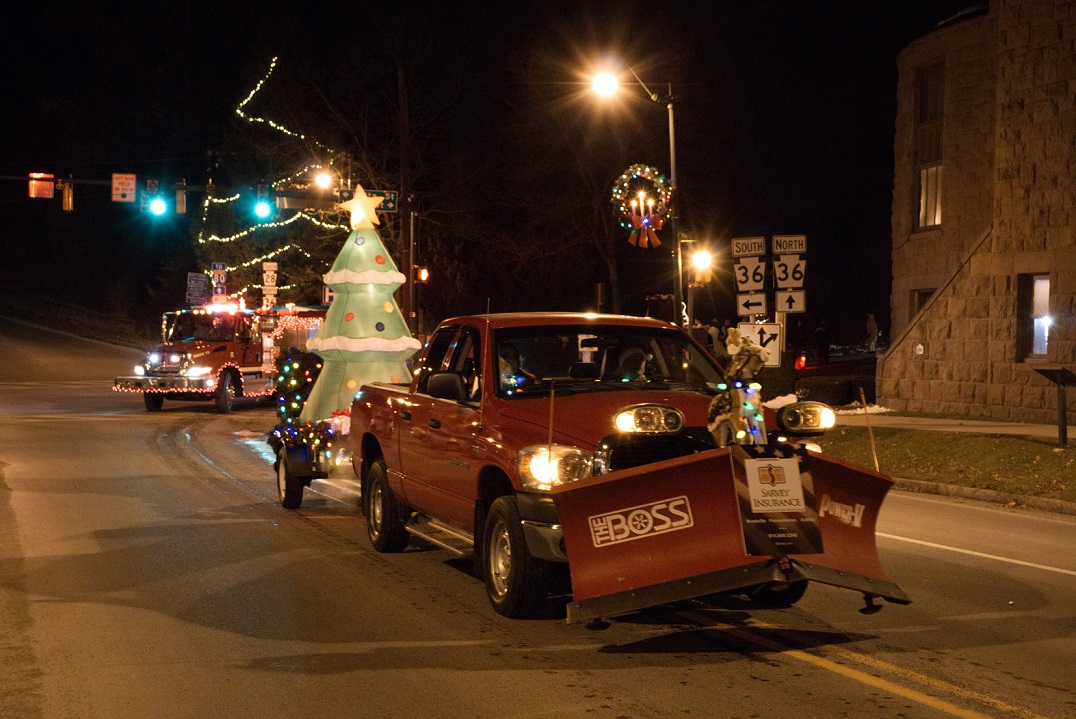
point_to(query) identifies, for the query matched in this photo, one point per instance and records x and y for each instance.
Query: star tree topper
(363, 209)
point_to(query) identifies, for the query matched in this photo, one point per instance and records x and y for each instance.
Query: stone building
(984, 206)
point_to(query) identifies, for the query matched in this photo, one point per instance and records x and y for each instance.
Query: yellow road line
(900, 690)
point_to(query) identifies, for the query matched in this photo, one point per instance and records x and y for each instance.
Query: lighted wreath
(642, 196)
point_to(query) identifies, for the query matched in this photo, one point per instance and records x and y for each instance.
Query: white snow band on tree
(364, 344)
(366, 277)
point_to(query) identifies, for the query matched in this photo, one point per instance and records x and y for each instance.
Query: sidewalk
(879, 419)
(990, 427)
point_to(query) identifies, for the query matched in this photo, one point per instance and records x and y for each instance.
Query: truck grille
(623, 451)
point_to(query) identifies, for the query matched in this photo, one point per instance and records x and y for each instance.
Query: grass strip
(1020, 465)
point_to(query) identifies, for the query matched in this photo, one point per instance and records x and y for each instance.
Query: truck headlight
(649, 419)
(154, 358)
(806, 419)
(140, 370)
(541, 467)
(196, 371)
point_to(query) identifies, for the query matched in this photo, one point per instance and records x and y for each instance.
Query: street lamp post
(606, 84)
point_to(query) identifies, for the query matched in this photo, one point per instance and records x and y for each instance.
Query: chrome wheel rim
(282, 476)
(500, 559)
(375, 511)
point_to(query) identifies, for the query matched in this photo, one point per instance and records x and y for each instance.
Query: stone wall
(1009, 149)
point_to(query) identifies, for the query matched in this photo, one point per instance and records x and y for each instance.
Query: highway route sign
(750, 274)
(788, 271)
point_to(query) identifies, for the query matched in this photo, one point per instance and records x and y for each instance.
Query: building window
(929, 104)
(919, 300)
(1033, 316)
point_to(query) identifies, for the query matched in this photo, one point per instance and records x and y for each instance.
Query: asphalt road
(146, 570)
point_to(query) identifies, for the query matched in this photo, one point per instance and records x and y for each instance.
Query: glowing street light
(702, 263)
(606, 84)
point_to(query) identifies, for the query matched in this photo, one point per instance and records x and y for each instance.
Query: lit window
(1033, 316)
(929, 113)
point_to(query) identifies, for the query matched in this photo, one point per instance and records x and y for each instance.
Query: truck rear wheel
(154, 401)
(516, 582)
(224, 396)
(385, 516)
(289, 488)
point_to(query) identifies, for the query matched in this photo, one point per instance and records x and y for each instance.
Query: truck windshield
(597, 358)
(189, 326)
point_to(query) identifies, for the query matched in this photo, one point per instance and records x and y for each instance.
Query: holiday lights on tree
(230, 233)
(364, 337)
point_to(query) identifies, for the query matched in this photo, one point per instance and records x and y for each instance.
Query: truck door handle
(435, 423)
(405, 416)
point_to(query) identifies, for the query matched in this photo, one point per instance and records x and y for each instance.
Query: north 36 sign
(788, 271)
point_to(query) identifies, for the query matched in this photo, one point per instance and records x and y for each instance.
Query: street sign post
(764, 335)
(124, 187)
(790, 301)
(750, 274)
(751, 304)
(790, 244)
(789, 271)
(389, 199)
(748, 246)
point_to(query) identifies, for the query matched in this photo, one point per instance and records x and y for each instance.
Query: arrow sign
(791, 301)
(751, 304)
(766, 335)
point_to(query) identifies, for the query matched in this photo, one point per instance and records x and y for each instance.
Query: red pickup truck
(612, 452)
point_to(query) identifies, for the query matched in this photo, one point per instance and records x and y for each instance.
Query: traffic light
(263, 204)
(421, 274)
(151, 199)
(181, 198)
(67, 196)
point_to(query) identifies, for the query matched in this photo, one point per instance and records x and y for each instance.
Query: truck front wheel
(154, 401)
(516, 582)
(289, 488)
(778, 595)
(224, 396)
(385, 516)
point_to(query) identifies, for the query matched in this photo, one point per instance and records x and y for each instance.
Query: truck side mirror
(447, 385)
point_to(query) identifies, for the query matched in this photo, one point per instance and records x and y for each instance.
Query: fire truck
(219, 353)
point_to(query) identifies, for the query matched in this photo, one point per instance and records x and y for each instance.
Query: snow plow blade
(723, 521)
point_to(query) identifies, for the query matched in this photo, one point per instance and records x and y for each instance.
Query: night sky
(784, 118)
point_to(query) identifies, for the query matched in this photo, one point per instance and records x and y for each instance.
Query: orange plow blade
(721, 521)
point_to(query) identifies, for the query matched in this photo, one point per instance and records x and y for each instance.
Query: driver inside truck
(512, 375)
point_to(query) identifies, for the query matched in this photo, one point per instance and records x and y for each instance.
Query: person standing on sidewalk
(872, 333)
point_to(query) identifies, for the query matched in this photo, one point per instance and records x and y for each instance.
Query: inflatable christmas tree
(364, 337)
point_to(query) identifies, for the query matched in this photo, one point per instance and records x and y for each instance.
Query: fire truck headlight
(174, 358)
(198, 371)
(140, 370)
(154, 358)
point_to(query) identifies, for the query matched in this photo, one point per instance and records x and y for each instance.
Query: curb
(1044, 504)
